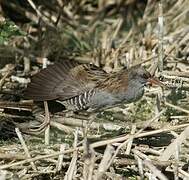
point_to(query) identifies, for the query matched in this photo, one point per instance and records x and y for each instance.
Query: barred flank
(82, 101)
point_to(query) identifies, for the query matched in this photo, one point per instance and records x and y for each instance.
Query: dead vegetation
(145, 140)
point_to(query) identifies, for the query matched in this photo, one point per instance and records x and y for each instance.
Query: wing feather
(63, 81)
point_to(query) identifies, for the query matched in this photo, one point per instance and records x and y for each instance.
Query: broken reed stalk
(177, 107)
(148, 163)
(72, 167)
(27, 65)
(130, 142)
(20, 137)
(60, 157)
(160, 37)
(47, 115)
(47, 120)
(174, 146)
(154, 170)
(8, 73)
(89, 157)
(140, 166)
(105, 162)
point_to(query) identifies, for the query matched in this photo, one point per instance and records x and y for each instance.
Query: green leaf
(8, 29)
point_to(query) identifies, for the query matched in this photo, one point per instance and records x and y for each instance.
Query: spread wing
(63, 81)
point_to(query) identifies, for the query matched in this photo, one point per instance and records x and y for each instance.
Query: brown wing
(63, 81)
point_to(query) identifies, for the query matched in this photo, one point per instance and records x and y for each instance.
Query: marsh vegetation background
(142, 140)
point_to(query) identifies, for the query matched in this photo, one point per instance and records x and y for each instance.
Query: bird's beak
(155, 81)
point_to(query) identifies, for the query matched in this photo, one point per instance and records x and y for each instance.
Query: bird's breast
(133, 94)
(103, 99)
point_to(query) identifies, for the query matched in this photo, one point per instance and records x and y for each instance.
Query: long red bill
(155, 81)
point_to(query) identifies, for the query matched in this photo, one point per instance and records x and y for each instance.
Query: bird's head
(140, 74)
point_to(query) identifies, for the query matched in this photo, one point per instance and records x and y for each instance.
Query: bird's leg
(39, 129)
(91, 118)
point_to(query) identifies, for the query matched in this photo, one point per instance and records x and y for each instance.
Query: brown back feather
(115, 83)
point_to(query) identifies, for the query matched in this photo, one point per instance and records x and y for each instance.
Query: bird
(87, 87)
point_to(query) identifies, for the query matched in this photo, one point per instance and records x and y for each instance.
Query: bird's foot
(38, 129)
